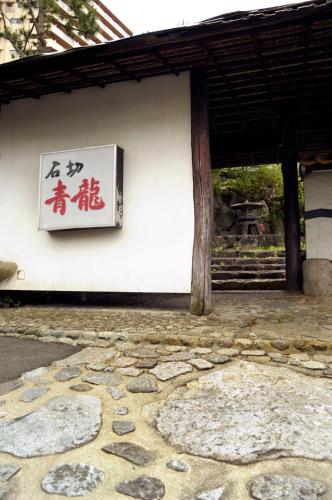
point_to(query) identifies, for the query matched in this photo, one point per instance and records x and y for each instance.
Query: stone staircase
(248, 270)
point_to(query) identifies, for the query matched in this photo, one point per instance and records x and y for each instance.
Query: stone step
(258, 284)
(247, 261)
(257, 254)
(248, 267)
(248, 275)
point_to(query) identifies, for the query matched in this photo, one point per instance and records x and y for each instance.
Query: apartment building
(110, 28)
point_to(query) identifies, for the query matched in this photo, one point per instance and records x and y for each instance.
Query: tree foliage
(34, 18)
(262, 183)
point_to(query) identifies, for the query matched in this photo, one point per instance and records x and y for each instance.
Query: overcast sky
(148, 15)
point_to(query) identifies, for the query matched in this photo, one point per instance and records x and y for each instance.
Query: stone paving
(261, 317)
(241, 411)
(236, 428)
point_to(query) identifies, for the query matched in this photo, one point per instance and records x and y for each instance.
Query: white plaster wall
(318, 194)
(150, 120)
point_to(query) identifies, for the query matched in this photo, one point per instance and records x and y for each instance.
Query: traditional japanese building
(106, 155)
(110, 27)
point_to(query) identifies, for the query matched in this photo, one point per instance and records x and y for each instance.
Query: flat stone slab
(146, 363)
(124, 362)
(116, 393)
(145, 487)
(141, 353)
(166, 371)
(68, 373)
(179, 356)
(201, 364)
(177, 465)
(7, 471)
(103, 379)
(35, 374)
(129, 371)
(10, 386)
(132, 452)
(33, 393)
(217, 359)
(215, 494)
(81, 387)
(121, 410)
(87, 356)
(72, 479)
(249, 412)
(278, 487)
(121, 427)
(144, 383)
(63, 423)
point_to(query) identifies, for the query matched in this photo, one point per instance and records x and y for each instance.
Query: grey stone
(144, 383)
(7, 269)
(278, 487)
(121, 410)
(201, 364)
(124, 362)
(2, 402)
(142, 353)
(146, 363)
(215, 494)
(72, 479)
(129, 372)
(3, 414)
(33, 393)
(134, 453)
(229, 351)
(145, 487)
(178, 356)
(10, 386)
(313, 365)
(63, 423)
(68, 373)
(244, 414)
(116, 393)
(121, 427)
(87, 356)
(103, 379)
(166, 371)
(175, 348)
(201, 350)
(280, 359)
(300, 357)
(328, 372)
(280, 344)
(177, 465)
(35, 374)
(317, 277)
(81, 387)
(217, 359)
(99, 367)
(7, 471)
(257, 352)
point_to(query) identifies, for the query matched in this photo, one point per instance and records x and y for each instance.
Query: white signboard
(81, 188)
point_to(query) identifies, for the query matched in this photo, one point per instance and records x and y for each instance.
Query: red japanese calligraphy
(88, 196)
(59, 200)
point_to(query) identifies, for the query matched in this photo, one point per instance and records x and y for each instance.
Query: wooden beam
(201, 295)
(291, 209)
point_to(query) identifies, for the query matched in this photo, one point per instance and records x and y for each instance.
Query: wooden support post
(201, 294)
(291, 210)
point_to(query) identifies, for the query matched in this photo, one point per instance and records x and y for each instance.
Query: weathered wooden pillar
(201, 294)
(291, 210)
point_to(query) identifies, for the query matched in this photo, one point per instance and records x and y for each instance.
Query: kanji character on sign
(59, 200)
(88, 196)
(54, 172)
(74, 170)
